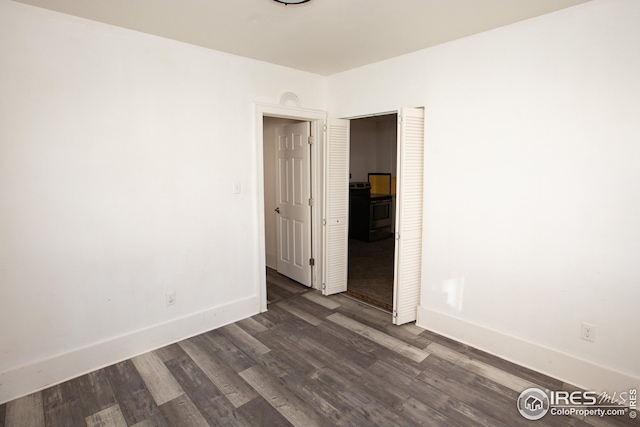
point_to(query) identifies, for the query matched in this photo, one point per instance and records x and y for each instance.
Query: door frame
(401, 237)
(318, 120)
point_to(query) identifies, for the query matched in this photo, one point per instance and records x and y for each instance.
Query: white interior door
(336, 207)
(293, 202)
(409, 196)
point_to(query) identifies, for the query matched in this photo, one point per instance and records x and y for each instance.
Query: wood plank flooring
(308, 361)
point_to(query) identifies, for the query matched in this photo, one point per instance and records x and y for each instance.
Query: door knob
(277, 209)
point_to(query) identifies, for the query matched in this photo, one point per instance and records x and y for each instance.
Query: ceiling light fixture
(288, 2)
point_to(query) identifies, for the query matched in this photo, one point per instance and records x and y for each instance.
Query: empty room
(194, 194)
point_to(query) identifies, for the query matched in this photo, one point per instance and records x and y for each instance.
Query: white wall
(531, 186)
(387, 147)
(119, 152)
(363, 149)
(373, 147)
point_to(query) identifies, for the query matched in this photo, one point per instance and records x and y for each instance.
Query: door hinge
(324, 286)
(397, 236)
(311, 140)
(311, 202)
(399, 118)
(324, 222)
(395, 314)
(324, 127)
(312, 261)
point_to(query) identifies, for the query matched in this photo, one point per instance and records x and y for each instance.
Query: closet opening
(372, 209)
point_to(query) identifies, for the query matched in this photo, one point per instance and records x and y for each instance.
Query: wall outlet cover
(588, 332)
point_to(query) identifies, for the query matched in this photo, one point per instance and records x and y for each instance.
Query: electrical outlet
(170, 297)
(588, 332)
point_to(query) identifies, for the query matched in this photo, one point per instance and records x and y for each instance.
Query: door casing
(317, 120)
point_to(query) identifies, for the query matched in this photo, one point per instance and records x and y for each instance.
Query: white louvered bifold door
(336, 204)
(408, 253)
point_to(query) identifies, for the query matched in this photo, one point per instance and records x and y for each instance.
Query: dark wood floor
(308, 361)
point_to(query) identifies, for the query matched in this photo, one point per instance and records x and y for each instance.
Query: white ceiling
(322, 36)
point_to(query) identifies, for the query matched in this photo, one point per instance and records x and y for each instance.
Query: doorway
(273, 116)
(330, 168)
(409, 211)
(372, 191)
(287, 195)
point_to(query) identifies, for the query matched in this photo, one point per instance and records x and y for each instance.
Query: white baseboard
(54, 370)
(562, 366)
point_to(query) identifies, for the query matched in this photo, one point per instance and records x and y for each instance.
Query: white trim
(39, 375)
(407, 263)
(317, 119)
(367, 116)
(554, 363)
(335, 234)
